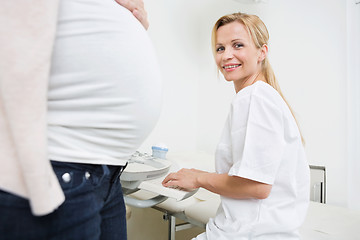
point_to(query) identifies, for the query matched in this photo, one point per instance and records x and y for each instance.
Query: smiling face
(237, 56)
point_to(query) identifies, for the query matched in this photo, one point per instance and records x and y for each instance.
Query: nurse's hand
(138, 10)
(186, 179)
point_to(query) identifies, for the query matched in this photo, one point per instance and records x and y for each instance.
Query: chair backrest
(318, 184)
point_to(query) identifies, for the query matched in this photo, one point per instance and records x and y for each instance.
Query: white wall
(176, 43)
(353, 65)
(308, 52)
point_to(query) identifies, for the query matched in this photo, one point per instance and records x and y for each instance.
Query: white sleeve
(257, 137)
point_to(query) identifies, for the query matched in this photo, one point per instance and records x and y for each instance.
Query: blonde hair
(260, 36)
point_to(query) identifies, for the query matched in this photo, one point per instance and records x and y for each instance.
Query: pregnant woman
(84, 96)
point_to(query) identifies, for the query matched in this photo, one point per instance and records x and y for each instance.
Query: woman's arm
(138, 10)
(223, 184)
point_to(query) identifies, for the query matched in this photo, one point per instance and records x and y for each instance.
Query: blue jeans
(94, 208)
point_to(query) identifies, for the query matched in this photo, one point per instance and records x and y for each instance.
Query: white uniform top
(105, 87)
(261, 142)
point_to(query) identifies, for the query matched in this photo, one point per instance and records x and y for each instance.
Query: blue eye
(238, 45)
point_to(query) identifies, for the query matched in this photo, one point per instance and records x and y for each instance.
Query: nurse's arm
(234, 186)
(223, 184)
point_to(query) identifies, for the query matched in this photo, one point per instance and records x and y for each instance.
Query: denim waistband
(97, 169)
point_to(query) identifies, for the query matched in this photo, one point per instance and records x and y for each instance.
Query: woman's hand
(138, 10)
(186, 179)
